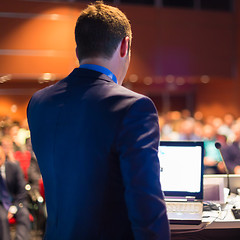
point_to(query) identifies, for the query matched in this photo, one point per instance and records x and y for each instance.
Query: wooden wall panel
(217, 97)
(166, 41)
(181, 42)
(37, 38)
(8, 103)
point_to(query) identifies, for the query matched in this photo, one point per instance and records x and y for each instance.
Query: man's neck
(107, 63)
(98, 61)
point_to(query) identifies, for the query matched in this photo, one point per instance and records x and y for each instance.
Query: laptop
(181, 176)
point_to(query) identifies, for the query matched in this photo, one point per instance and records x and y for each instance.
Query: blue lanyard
(100, 69)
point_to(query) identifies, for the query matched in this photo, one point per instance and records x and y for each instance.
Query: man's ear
(76, 50)
(124, 47)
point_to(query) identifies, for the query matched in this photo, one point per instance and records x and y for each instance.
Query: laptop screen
(181, 166)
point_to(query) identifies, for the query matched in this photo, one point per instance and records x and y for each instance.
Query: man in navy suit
(96, 142)
(12, 199)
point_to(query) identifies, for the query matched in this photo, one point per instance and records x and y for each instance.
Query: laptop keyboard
(189, 207)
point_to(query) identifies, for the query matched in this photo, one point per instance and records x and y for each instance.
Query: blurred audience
(225, 130)
(16, 150)
(16, 146)
(174, 125)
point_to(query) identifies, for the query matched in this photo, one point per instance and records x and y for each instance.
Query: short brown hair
(99, 30)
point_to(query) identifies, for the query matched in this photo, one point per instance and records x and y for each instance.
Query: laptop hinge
(190, 199)
(180, 199)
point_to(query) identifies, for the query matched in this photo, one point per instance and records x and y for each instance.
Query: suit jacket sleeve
(137, 146)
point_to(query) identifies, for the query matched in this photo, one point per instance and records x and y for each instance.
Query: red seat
(13, 219)
(24, 159)
(41, 188)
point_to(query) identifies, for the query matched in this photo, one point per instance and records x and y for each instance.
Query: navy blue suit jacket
(96, 143)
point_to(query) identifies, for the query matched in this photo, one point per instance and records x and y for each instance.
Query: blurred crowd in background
(225, 130)
(174, 126)
(25, 190)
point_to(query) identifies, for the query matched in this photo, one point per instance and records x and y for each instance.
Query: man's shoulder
(78, 80)
(133, 97)
(121, 90)
(43, 92)
(44, 95)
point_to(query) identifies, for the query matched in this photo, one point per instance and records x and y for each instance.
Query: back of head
(99, 30)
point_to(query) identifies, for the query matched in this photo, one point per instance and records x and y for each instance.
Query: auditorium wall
(175, 52)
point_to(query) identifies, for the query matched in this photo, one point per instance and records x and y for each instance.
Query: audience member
(22, 156)
(34, 175)
(198, 129)
(187, 130)
(225, 128)
(169, 125)
(23, 133)
(8, 148)
(13, 133)
(5, 123)
(12, 199)
(216, 122)
(212, 156)
(231, 152)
